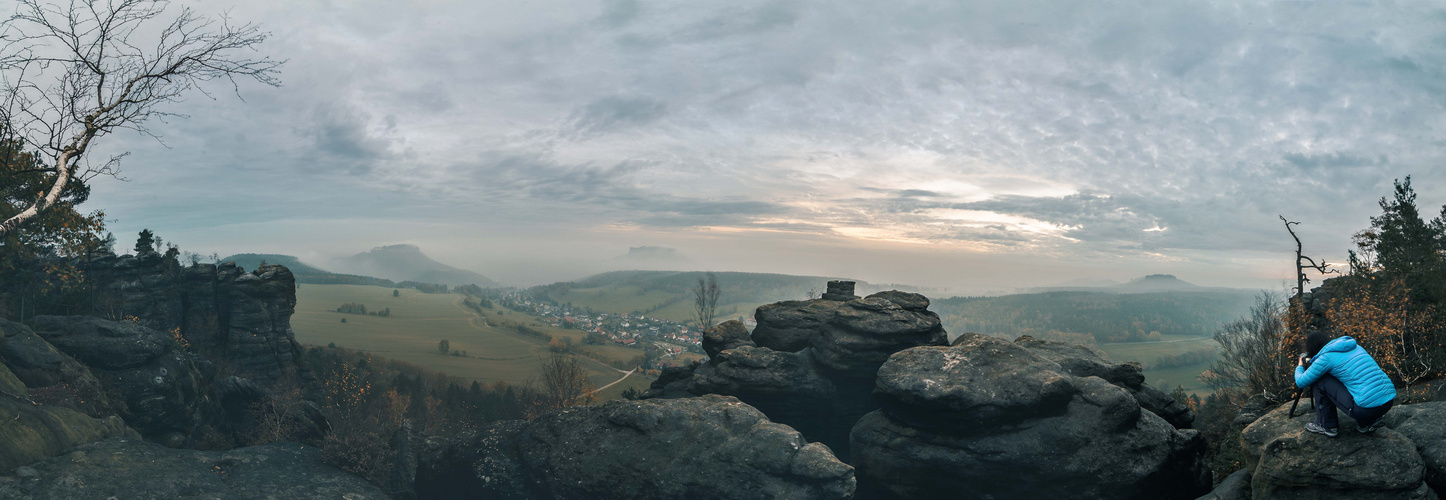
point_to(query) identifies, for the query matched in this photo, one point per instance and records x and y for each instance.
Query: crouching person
(1345, 377)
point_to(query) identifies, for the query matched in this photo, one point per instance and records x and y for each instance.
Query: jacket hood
(1342, 344)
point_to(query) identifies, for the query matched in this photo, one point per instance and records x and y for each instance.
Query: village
(630, 330)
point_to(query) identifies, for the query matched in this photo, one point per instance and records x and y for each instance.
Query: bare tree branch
(74, 72)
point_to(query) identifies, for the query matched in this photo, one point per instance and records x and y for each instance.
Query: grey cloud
(616, 113)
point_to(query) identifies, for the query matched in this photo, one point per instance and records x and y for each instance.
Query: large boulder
(790, 325)
(162, 385)
(241, 320)
(1236, 486)
(1290, 462)
(53, 376)
(990, 419)
(1425, 425)
(705, 447)
(726, 335)
(783, 385)
(1085, 361)
(31, 433)
(130, 468)
(863, 333)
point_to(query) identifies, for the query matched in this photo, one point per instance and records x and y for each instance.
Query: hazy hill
(305, 274)
(1153, 283)
(1107, 316)
(650, 256)
(408, 263)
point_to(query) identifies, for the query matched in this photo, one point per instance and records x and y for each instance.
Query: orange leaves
(1399, 334)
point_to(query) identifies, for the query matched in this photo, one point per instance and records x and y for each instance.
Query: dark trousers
(1330, 393)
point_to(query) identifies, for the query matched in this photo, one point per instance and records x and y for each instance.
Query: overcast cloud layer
(974, 145)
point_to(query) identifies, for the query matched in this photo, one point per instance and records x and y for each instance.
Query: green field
(1164, 379)
(419, 321)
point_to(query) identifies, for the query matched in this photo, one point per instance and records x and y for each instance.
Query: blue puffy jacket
(1356, 370)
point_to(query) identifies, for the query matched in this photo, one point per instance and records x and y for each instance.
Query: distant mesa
(652, 254)
(1159, 283)
(408, 263)
(1153, 283)
(305, 273)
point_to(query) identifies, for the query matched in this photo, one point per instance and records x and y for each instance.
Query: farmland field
(419, 321)
(1168, 378)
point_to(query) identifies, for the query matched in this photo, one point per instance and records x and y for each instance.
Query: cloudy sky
(972, 145)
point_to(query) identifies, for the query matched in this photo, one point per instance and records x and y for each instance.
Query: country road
(625, 376)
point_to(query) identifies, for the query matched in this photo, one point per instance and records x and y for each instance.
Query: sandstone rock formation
(39, 365)
(987, 418)
(821, 389)
(703, 447)
(789, 326)
(31, 432)
(1425, 425)
(1288, 462)
(162, 385)
(726, 335)
(1236, 486)
(241, 320)
(130, 468)
(1085, 361)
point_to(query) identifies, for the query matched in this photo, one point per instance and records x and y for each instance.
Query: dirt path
(615, 382)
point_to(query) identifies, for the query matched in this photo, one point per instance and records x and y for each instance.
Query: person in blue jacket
(1345, 377)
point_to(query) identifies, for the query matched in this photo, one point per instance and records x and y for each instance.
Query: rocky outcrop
(1085, 361)
(726, 335)
(789, 326)
(130, 468)
(1236, 486)
(864, 332)
(162, 385)
(240, 320)
(30, 432)
(704, 447)
(1425, 425)
(42, 367)
(822, 389)
(987, 418)
(1289, 462)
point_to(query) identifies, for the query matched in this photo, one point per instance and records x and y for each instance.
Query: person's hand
(1301, 360)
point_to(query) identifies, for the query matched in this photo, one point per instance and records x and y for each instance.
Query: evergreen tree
(146, 242)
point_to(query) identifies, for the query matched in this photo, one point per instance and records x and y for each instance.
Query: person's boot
(1332, 432)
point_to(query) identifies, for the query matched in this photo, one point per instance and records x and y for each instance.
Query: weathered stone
(1291, 462)
(1425, 425)
(162, 386)
(705, 447)
(864, 332)
(789, 326)
(130, 468)
(40, 365)
(990, 419)
(726, 335)
(1236, 486)
(782, 385)
(31, 433)
(1084, 361)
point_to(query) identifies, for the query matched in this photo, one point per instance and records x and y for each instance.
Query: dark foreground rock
(1425, 425)
(1236, 486)
(822, 389)
(163, 387)
(1289, 462)
(712, 447)
(789, 326)
(726, 335)
(40, 365)
(30, 433)
(1085, 361)
(129, 468)
(987, 418)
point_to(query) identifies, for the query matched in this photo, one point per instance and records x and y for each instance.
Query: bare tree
(1255, 355)
(564, 384)
(1302, 262)
(705, 301)
(73, 72)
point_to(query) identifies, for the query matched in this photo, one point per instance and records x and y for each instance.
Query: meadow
(627, 299)
(1165, 379)
(419, 321)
